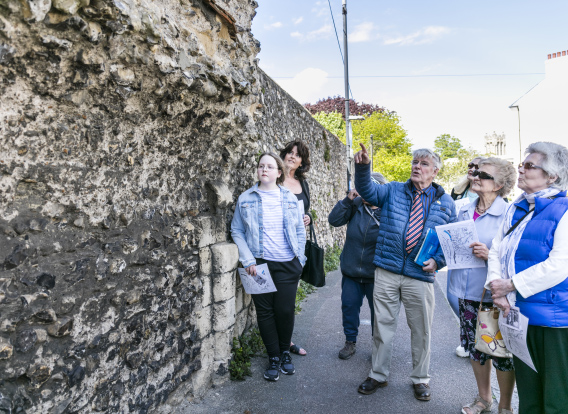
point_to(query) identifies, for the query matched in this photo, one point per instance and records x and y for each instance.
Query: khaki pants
(418, 299)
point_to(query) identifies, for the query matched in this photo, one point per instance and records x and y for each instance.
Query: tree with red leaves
(337, 104)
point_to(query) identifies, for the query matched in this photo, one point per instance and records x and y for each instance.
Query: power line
(338, 44)
(424, 76)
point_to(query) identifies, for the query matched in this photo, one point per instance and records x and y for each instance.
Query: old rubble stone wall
(127, 130)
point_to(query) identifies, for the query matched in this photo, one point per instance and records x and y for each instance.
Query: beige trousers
(418, 299)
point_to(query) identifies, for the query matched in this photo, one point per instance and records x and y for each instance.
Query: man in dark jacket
(408, 211)
(356, 259)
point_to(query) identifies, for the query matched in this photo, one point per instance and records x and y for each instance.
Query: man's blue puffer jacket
(395, 201)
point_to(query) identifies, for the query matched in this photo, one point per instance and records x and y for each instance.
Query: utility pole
(346, 75)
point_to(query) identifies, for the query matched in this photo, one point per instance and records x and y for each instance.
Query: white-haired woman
(492, 181)
(528, 264)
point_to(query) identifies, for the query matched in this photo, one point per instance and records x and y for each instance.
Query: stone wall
(127, 130)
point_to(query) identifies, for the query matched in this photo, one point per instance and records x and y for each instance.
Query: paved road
(325, 384)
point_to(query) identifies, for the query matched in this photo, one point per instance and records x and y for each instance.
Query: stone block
(207, 296)
(205, 231)
(224, 315)
(224, 286)
(225, 257)
(223, 345)
(223, 196)
(220, 372)
(247, 299)
(239, 304)
(203, 321)
(205, 264)
(240, 323)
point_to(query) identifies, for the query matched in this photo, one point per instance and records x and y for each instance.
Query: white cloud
(323, 32)
(423, 36)
(275, 25)
(307, 86)
(298, 20)
(363, 33)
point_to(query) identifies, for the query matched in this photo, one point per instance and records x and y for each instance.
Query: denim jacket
(468, 283)
(246, 227)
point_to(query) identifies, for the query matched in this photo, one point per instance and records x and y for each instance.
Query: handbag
(313, 272)
(488, 338)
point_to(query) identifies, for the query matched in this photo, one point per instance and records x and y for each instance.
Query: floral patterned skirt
(468, 321)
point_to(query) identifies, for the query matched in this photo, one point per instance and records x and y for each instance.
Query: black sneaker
(286, 365)
(271, 373)
(348, 350)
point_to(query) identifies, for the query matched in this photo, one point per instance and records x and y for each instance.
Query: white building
(542, 111)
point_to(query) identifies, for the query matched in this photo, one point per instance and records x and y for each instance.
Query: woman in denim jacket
(268, 228)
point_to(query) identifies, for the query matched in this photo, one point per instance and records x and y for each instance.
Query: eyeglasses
(482, 175)
(267, 167)
(472, 165)
(529, 166)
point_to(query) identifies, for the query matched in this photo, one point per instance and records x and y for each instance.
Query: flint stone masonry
(127, 130)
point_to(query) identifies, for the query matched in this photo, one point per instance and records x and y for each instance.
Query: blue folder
(429, 247)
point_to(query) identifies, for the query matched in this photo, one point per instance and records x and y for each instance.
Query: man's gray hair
(554, 162)
(378, 177)
(427, 153)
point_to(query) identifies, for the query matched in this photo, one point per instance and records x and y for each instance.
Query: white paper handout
(461, 202)
(455, 240)
(514, 331)
(261, 283)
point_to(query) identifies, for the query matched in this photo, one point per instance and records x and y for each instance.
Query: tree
(337, 104)
(455, 168)
(447, 146)
(333, 122)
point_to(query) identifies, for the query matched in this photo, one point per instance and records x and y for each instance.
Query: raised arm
(371, 192)
(344, 210)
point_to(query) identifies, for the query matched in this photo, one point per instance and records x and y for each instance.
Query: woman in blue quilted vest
(528, 268)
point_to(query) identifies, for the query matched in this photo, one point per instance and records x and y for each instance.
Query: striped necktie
(416, 222)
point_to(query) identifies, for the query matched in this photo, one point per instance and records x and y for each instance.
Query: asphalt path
(323, 383)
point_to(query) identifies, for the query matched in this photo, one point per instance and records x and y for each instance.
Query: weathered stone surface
(224, 286)
(38, 374)
(61, 328)
(225, 257)
(127, 131)
(6, 351)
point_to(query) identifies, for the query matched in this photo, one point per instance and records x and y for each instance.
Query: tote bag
(488, 338)
(313, 270)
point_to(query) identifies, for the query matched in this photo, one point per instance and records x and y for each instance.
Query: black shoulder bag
(313, 272)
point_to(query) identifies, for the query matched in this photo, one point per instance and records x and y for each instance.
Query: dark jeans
(352, 294)
(275, 310)
(545, 392)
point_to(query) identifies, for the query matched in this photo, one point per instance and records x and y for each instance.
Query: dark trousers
(545, 392)
(275, 310)
(352, 294)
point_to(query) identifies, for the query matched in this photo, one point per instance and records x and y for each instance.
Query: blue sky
(413, 49)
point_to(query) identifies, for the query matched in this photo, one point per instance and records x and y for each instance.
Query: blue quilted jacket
(549, 307)
(395, 201)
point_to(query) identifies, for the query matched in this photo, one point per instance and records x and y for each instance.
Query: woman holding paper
(528, 267)
(296, 157)
(268, 229)
(492, 181)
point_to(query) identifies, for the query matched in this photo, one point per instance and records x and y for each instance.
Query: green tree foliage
(391, 147)
(333, 122)
(391, 155)
(447, 146)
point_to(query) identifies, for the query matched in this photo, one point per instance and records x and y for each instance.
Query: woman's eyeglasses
(267, 167)
(472, 165)
(529, 166)
(482, 175)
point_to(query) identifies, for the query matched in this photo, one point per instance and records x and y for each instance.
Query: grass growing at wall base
(244, 348)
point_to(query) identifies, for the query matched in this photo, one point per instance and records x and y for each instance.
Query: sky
(417, 58)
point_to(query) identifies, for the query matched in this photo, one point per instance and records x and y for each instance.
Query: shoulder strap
(513, 227)
(372, 215)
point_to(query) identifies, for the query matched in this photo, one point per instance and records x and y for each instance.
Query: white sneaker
(461, 352)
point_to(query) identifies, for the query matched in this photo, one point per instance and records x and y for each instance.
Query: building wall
(542, 109)
(127, 130)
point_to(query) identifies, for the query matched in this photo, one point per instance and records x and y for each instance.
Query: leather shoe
(370, 385)
(422, 392)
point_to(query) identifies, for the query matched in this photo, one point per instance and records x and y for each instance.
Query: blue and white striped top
(274, 243)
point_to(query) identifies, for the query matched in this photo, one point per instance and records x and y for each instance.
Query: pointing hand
(362, 157)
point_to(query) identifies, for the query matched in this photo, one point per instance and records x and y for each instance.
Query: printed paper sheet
(455, 239)
(261, 283)
(514, 331)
